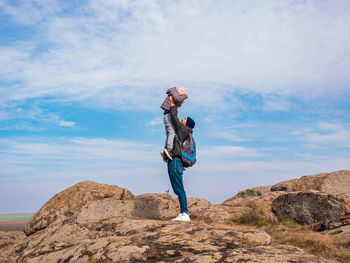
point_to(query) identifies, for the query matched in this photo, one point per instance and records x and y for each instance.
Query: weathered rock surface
(251, 192)
(255, 201)
(64, 204)
(321, 210)
(91, 222)
(163, 206)
(131, 239)
(342, 234)
(320, 200)
(89, 201)
(8, 238)
(335, 183)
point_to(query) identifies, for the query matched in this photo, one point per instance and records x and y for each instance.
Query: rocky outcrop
(336, 183)
(251, 192)
(8, 238)
(66, 203)
(320, 200)
(342, 235)
(131, 239)
(255, 201)
(91, 222)
(321, 210)
(89, 201)
(163, 206)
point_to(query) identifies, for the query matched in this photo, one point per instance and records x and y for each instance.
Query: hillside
(92, 222)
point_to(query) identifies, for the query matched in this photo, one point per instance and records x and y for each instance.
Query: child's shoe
(168, 153)
(164, 157)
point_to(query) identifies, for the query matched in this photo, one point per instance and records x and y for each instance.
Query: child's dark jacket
(177, 98)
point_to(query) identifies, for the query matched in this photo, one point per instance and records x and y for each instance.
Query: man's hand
(172, 103)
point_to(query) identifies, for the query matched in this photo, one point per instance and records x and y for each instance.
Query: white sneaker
(184, 217)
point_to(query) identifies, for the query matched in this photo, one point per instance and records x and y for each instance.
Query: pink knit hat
(182, 90)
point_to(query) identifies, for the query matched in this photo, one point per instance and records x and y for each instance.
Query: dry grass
(256, 217)
(314, 242)
(250, 219)
(288, 232)
(232, 226)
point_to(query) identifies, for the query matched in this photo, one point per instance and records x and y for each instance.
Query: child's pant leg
(169, 131)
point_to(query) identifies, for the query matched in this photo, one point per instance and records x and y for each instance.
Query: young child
(179, 95)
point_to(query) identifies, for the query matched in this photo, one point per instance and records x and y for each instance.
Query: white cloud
(79, 149)
(66, 123)
(125, 54)
(277, 103)
(227, 152)
(330, 126)
(154, 122)
(330, 135)
(30, 12)
(134, 165)
(230, 135)
(42, 161)
(32, 117)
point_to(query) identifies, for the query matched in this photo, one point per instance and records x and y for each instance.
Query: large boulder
(64, 205)
(321, 200)
(163, 206)
(155, 206)
(335, 183)
(321, 210)
(89, 201)
(254, 203)
(151, 206)
(251, 192)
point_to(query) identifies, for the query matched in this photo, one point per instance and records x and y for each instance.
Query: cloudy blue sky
(81, 83)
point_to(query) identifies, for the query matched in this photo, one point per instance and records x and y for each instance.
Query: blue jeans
(175, 171)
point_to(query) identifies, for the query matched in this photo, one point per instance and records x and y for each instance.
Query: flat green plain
(16, 217)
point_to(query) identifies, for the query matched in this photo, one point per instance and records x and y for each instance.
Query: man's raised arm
(173, 113)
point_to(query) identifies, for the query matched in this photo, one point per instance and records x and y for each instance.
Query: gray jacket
(177, 98)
